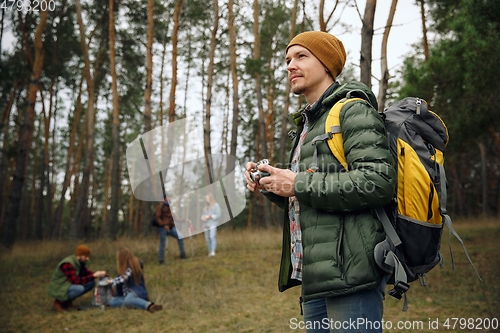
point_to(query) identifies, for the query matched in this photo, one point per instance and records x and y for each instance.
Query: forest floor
(236, 291)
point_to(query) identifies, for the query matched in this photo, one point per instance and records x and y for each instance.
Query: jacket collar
(314, 112)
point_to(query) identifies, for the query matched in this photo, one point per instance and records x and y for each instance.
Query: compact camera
(256, 174)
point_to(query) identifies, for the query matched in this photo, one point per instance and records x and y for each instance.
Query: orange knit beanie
(83, 250)
(326, 47)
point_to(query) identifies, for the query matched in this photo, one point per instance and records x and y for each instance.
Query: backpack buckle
(400, 287)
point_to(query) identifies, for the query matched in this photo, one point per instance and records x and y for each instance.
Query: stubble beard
(299, 89)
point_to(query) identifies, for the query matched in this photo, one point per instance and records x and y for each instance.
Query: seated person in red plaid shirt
(71, 279)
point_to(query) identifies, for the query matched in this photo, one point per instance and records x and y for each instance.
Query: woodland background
(85, 79)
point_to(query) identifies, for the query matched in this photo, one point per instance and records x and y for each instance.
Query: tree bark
(210, 74)
(384, 81)
(26, 137)
(4, 160)
(322, 23)
(112, 226)
(366, 43)
(107, 184)
(284, 133)
(424, 31)
(70, 162)
(236, 99)
(81, 206)
(484, 181)
(44, 176)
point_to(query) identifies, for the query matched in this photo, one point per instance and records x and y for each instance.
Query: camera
(256, 175)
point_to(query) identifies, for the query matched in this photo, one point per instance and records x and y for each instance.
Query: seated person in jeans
(130, 287)
(72, 279)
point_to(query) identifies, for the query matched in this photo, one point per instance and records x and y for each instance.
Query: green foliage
(457, 78)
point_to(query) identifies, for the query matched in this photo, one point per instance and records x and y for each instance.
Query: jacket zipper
(340, 257)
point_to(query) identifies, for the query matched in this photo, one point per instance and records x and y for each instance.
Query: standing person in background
(165, 219)
(130, 285)
(72, 279)
(210, 217)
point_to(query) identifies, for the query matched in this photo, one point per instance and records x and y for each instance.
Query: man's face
(83, 259)
(305, 71)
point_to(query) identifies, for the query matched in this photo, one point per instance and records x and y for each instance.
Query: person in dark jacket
(330, 227)
(130, 283)
(72, 279)
(165, 218)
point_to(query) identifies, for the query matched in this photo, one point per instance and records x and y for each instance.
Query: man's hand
(99, 274)
(280, 181)
(166, 227)
(250, 184)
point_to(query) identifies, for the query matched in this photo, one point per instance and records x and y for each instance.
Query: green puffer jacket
(339, 227)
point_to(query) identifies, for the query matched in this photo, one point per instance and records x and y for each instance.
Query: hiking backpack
(414, 220)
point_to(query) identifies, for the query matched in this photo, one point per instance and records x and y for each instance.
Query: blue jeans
(163, 236)
(358, 312)
(129, 301)
(210, 236)
(77, 290)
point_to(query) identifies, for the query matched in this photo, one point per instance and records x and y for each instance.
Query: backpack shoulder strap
(333, 134)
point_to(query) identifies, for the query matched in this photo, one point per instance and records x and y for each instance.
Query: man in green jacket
(330, 226)
(72, 279)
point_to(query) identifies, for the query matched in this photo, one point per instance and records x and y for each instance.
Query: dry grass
(236, 291)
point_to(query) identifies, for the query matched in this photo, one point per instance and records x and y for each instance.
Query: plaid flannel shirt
(294, 209)
(83, 276)
(122, 279)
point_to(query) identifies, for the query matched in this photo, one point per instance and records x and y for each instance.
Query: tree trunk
(258, 88)
(44, 176)
(262, 117)
(79, 215)
(284, 133)
(236, 100)
(4, 160)
(184, 129)
(210, 74)
(26, 137)
(322, 23)
(366, 43)
(1, 32)
(384, 81)
(424, 30)
(70, 167)
(112, 226)
(147, 107)
(173, 86)
(484, 181)
(107, 184)
(161, 87)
